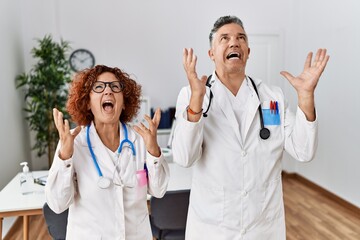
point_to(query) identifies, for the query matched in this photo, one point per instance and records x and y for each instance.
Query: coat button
(243, 153)
(242, 231)
(243, 193)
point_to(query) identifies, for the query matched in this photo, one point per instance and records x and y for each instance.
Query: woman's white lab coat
(113, 213)
(236, 188)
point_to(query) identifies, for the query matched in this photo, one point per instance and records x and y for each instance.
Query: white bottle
(26, 180)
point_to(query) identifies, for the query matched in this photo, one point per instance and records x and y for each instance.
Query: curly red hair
(79, 94)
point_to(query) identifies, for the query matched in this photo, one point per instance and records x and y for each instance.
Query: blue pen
(277, 107)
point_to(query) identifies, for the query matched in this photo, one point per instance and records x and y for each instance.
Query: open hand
(189, 62)
(150, 134)
(66, 136)
(306, 82)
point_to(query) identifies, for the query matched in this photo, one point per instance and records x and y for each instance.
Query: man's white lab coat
(236, 188)
(113, 213)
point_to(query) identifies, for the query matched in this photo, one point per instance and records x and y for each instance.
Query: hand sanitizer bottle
(26, 180)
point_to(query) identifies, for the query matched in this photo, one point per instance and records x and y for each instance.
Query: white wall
(146, 38)
(336, 26)
(14, 146)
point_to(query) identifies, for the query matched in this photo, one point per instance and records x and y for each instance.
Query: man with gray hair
(233, 129)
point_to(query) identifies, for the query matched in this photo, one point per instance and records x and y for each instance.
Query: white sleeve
(188, 136)
(301, 136)
(159, 174)
(60, 186)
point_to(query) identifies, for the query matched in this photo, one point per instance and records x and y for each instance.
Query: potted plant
(45, 87)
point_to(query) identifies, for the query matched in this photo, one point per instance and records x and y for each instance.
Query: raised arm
(197, 86)
(307, 81)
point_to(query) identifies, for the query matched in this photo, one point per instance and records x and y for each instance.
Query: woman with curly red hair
(103, 169)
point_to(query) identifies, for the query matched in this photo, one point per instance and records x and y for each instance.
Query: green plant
(45, 87)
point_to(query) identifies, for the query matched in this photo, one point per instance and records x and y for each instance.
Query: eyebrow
(238, 34)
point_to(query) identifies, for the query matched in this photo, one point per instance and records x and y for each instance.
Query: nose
(107, 89)
(234, 42)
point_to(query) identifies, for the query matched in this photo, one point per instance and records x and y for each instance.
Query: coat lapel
(126, 166)
(102, 155)
(222, 102)
(253, 105)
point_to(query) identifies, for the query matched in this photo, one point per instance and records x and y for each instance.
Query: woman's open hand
(150, 134)
(66, 136)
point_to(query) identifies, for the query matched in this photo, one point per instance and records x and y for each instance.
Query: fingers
(66, 125)
(143, 128)
(189, 63)
(154, 122)
(204, 79)
(189, 59)
(320, 59)
(287, 75)
(58, 119)
(55, 116)
(323, 59)
(320, 55)
(76, 131)
(157, 117)
(308, 61)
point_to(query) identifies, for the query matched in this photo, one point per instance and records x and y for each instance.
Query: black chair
(168, 215)
(56, 223)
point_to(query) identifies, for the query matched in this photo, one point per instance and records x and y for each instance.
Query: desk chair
(168, 215)
(56, 223)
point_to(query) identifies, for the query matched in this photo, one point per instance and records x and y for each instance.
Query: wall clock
(81, 59)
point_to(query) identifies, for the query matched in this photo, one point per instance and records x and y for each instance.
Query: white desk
(13, 203)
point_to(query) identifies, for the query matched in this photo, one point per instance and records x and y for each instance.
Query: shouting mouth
(108, 105)
(233, 55)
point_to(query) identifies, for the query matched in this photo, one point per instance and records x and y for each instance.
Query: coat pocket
(207, 203)
(273, 204)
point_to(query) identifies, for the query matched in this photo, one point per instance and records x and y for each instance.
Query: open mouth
(233, 55)
(108, 105)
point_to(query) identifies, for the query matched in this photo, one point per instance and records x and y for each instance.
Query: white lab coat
(236, 188)
(113, 213)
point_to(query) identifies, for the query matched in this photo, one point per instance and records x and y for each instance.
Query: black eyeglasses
(100, 86)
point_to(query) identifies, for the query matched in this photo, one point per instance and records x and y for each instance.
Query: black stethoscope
(264, 132)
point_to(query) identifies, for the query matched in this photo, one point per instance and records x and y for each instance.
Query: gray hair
(223, 21)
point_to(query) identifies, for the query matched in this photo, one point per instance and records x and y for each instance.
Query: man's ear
(248, 52)
(211, 54)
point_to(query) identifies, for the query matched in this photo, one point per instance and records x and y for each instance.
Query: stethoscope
(105, 182)
(264, 132)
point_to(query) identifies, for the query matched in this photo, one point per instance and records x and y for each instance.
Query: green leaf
(45, 87)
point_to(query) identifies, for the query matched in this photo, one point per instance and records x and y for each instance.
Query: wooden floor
(311, 213)
(37, 231)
